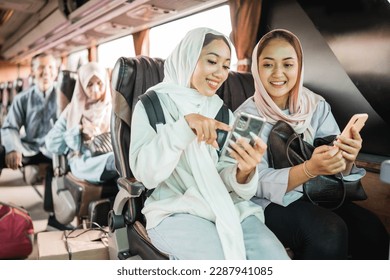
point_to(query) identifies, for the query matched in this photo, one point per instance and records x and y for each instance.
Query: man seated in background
(35, 110)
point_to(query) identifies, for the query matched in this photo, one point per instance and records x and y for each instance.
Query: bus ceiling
(28, 27)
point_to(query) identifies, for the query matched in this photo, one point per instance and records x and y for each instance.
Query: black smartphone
(243, 125)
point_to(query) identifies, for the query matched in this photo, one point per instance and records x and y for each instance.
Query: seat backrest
(66, 84)
(238, 87)
(11, 91)
(130, 78)
(19, 85)
(2, 90)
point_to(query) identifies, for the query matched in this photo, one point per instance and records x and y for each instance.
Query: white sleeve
(154, 156)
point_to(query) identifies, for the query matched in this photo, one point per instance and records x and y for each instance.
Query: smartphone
(243, 125)
(358, 121)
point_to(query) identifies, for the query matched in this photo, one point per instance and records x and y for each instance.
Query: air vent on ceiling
(148, 12)
(111, 28)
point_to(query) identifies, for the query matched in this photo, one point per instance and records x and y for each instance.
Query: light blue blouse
(61, 141)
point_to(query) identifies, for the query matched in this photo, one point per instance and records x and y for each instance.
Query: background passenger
(200, 207)
(85, 117)
(34, 110)
(312, 232)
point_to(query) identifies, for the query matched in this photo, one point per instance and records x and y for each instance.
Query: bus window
(108, 53)
(163, 40)
(76, 59)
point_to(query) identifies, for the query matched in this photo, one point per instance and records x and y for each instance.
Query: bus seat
(236, 89)
(2, 88)
(131, 77)
(72, 197)
(67, 82)
(18, 85)
(3, 107)
(11, 92)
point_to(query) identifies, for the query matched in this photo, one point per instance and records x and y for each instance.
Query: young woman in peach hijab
(310, 231)
(85, 117)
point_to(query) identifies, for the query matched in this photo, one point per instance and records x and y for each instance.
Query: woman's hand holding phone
(350, 146)
(248, 155)
(244, 144)
(246, 126)
(350, 141)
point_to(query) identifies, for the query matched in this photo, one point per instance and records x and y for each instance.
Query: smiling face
(45, 71)
(278, 69)
(212, 68)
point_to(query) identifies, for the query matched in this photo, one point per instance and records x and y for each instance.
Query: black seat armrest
(134, 188)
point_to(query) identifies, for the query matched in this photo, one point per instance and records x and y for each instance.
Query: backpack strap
(222, 116)
(153, 108)
(156, 115)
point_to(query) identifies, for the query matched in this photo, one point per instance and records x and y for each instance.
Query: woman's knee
(260, 242)
(327, 239)
(187, 237)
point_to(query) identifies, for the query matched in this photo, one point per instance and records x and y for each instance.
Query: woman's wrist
(242, 176)
(307, 171)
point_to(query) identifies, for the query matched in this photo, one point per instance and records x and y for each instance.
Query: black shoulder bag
(286, 148)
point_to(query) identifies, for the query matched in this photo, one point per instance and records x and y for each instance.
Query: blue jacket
(34, 113)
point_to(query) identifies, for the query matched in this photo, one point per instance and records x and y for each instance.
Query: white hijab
(93, 115)
(302, 102)
(175, 93)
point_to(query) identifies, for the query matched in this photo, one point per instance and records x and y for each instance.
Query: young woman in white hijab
(86, 116)
(200, 208)
(312, 232)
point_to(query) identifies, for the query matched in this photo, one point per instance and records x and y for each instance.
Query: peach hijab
(302, 102)
(93, 115)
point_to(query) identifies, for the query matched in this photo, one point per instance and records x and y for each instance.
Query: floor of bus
(12, 186)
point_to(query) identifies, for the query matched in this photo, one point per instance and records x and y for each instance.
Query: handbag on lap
(286, 148)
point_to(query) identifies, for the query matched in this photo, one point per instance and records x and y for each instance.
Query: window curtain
(141, 42)
(245, 18)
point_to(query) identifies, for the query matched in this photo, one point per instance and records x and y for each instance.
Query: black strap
(153, 108)
(222, 116)
(155, 114)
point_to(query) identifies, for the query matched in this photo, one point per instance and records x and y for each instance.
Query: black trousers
(2, 157)
(313, 232)
(37, 159)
